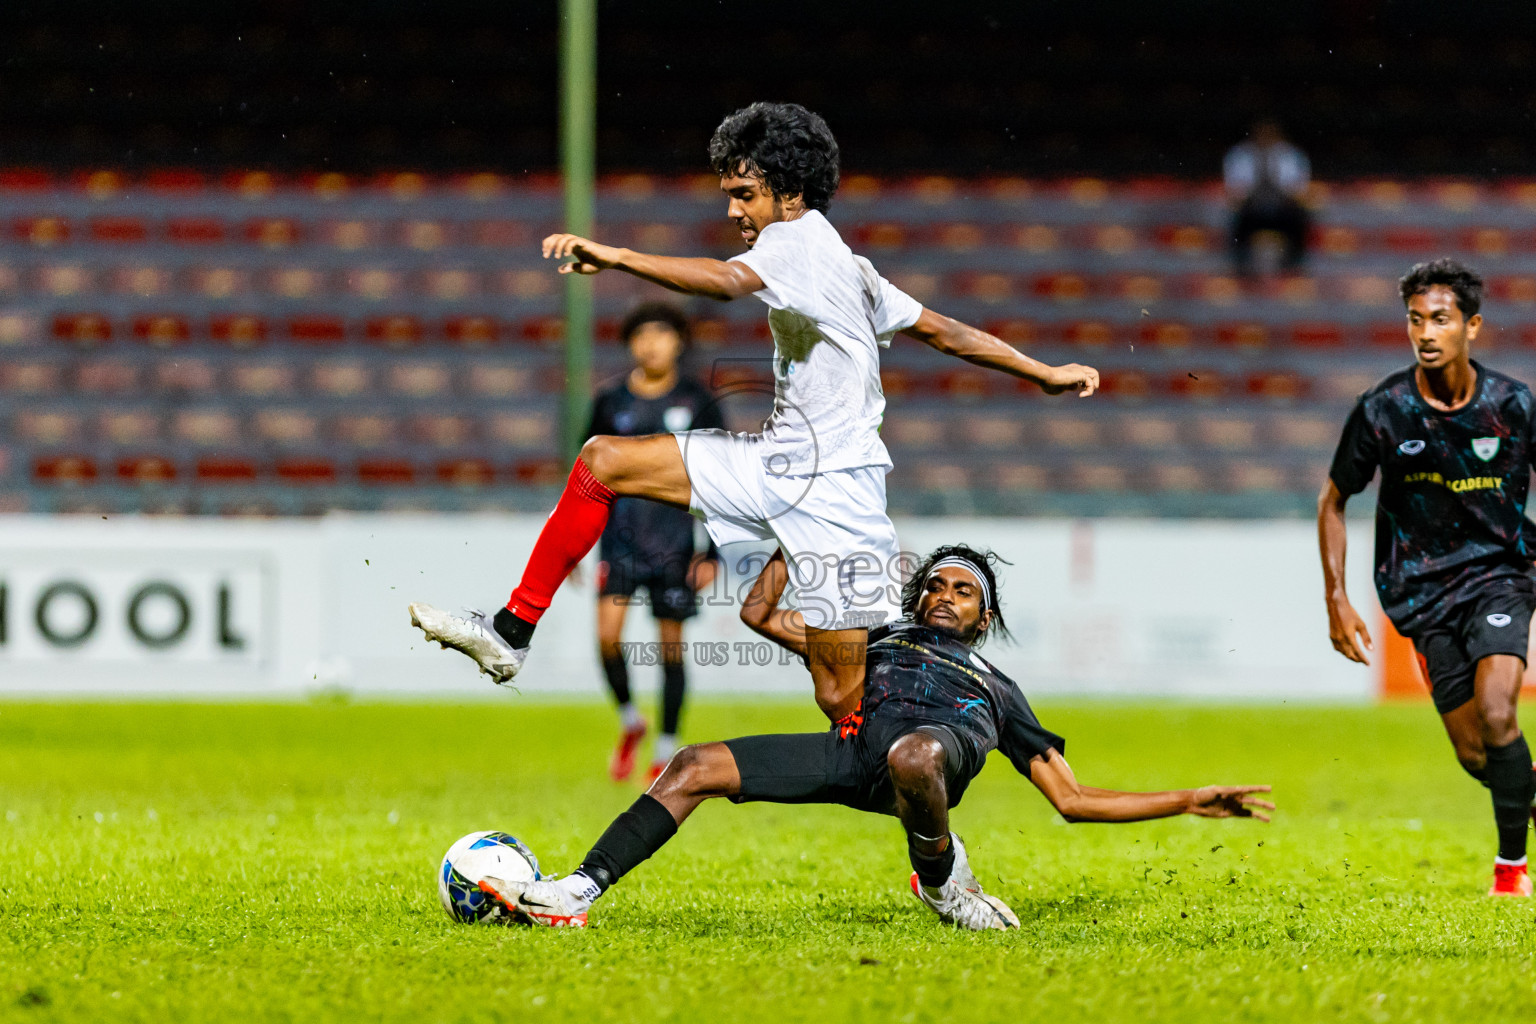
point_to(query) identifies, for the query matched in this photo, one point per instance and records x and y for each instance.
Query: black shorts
(665, 582)
(824, 768)
(1494, 620)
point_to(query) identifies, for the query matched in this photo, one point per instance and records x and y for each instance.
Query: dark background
(1410, 87)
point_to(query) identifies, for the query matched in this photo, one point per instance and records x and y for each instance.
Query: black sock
(1480, 774)
(1511, 782)
(932, 870)
(633, 837)
(674, 681)
(618, 677)
(513, 630)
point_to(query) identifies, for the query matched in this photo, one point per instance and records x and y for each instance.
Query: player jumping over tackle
(814, 479)
(932, 711)
(1453, 440)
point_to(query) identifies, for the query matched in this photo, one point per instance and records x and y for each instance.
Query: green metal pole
(578, 145)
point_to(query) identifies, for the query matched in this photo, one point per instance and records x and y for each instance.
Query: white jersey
(830, 313)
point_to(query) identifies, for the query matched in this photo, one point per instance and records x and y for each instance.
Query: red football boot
(1510, 880)
(622, 764)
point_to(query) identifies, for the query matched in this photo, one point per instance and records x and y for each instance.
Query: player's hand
(1073, 376)
(588, 257)
(1230, 802)
(1347, 630)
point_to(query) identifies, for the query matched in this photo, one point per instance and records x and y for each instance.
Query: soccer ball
(476, 856)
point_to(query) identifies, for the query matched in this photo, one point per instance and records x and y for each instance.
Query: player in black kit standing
(648, 544)
(1453, 440)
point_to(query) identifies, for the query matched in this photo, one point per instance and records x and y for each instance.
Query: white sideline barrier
(199, 607)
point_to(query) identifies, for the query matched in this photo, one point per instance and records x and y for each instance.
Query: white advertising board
(242, 608)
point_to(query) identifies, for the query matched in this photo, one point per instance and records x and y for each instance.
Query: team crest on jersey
(678, 417)
(1498, 619)
(1485, 448)
(1411, 447)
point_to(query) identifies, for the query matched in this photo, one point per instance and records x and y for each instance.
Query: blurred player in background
(648, 544)
(813, 480)
(1453, 441)
(934, 709)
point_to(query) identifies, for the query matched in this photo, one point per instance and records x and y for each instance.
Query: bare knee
(1500, 726)
(601, 458)
(915, 761)
(696, 770)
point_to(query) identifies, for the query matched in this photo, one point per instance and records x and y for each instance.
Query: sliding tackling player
(932, 710)
(1453, 566)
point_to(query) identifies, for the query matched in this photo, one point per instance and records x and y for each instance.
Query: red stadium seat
(466, 473)
(386, 472)
(395, 331)
(273, 232)
(1096, 476)
(543, 330)
(1226, 433)
(1089, 333)
(1112, 239)
(19, 378)
(1185, 239)
(145, 469)
(441, 430)
(306, 472)
(898, 383)
(520, 430)
(1490, 243)
(1411, 241)
(960, 237)
(251, 184)
(1317, 335)
(1514, 290)
(317, 330)
(119, 230)
(239, 331)
(1336, 240)
(885, 235)
(43, 232)
(1126, 385)
(1014, 330)
(1177, 478)
(365, 431)
(471, 330)
(88, 330)
(1061, 287)
(1036, 238)
(226, 470)
(195, 230)
(986, 287)
(174, 181)
(162, 331)
(1280, 387)
(1391, 335)
(64, 469)
(101, 184)
(1243, 335)
(540, 472)
(25, 179)
(970, 385)
(184, 376)
(286, 426)
(206, 427)
(1197, 386)
(1166, 334)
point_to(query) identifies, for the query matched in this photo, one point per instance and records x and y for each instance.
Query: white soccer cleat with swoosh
(474, 634)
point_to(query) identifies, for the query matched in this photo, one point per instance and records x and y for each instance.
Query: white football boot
(963, 908)
(961, 872)
(474, 634)
(542, 902)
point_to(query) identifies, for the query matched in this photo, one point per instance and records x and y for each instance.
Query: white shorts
(832, 526)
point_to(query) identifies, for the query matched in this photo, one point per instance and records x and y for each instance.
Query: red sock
(568, 535)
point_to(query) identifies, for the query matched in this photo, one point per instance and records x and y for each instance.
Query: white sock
(580, 888)
(630, 716)
(666, 746)
(1501, 860)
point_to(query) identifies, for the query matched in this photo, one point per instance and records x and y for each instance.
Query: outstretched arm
(954, 338)
(761, 612)
(1077, 802)
(1346, 628)
(715, 279)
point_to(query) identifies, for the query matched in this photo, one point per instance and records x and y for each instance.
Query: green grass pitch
(276, 862)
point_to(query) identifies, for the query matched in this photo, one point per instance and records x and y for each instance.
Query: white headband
(969, 566)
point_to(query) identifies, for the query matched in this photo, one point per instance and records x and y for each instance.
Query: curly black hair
(985, 561)
(654, 313)
(792, 148)
(1454, 274)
